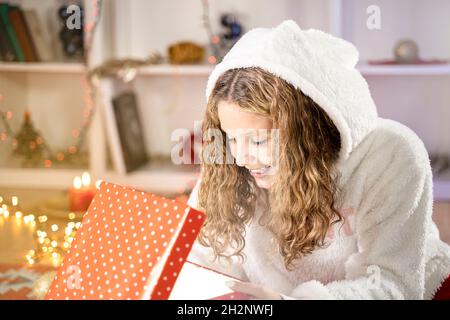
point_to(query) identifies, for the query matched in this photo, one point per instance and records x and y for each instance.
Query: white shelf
(152, 179)
(205, 70)
(40, 178)
(169, 70)
(42, 67)
(404, 70)
(365, 69)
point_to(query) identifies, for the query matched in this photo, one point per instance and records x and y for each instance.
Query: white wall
(143, 25)
(425, 21)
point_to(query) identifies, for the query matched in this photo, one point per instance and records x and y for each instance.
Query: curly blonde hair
(304, 195)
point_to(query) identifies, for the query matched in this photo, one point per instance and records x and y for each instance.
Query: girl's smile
(260, 172)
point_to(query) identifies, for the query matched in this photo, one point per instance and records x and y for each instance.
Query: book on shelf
(6, 48)
(22, 38)
(10, 32)
(133, 245)
(22, 31)
(41, 43)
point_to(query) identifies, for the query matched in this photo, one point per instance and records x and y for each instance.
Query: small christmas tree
(28, 143)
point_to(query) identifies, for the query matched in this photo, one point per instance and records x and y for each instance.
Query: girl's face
(251, 139)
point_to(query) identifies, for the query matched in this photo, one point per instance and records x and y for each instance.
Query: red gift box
(131, 245)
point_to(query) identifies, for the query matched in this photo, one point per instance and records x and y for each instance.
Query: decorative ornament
(28, 143)
(234, 29)
(406, 51)
(186, 53)
(221, 44)
(125, 69)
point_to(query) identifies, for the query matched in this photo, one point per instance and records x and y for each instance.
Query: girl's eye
(260, 142)
(231, 140)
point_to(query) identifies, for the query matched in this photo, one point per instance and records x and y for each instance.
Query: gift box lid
(131, 245)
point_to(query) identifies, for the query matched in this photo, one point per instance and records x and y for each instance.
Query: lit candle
(86, 179)
(82, 193)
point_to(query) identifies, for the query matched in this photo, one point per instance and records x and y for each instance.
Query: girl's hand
(255, 290)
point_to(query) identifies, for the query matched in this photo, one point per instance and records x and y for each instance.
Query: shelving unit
(43, 67)
(173, 96)
(171, 70)
(38, 178)
(405, 70)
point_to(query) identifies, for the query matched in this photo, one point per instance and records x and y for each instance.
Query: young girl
(323, 199)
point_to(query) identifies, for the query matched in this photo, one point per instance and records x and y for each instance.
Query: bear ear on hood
(334, 49)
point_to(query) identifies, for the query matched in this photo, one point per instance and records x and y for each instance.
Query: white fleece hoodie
(388, 247)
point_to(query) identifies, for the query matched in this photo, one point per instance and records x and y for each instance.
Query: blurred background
(111, 90)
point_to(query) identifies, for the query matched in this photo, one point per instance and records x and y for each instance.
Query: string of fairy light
(49, 239)
(78, 134)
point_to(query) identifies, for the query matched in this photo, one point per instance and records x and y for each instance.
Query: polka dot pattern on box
(124, 234)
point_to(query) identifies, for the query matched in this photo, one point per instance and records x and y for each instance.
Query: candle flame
(77, 182)
(86, 179)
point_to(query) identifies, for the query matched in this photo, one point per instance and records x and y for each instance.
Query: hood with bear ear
(320, 65)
